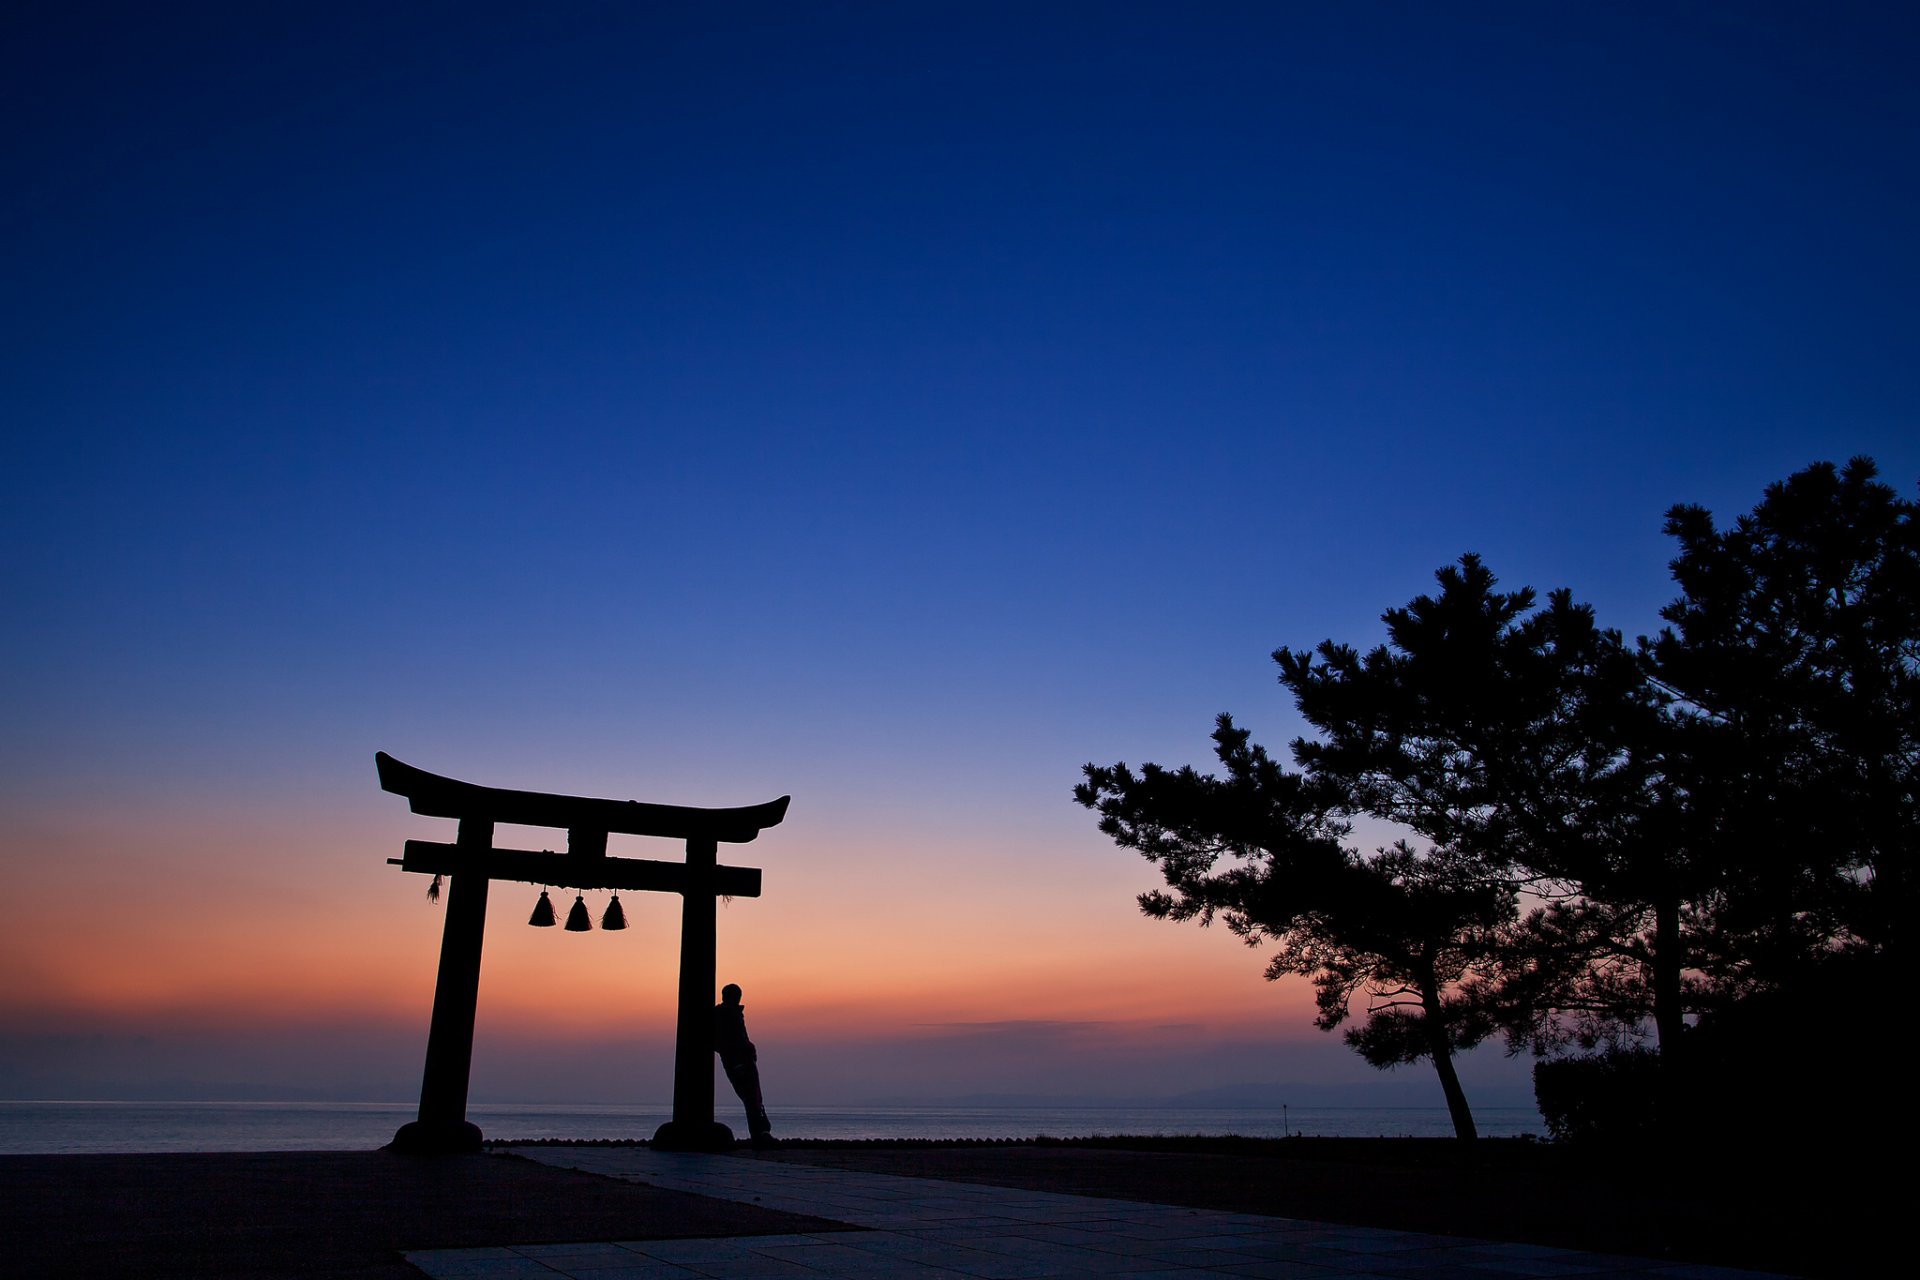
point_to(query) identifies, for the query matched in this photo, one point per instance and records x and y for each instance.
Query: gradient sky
(894, 405)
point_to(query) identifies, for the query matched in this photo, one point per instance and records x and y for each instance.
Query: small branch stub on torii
(472, 862)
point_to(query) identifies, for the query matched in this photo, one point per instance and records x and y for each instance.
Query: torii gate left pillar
(442, 1121)
(471, 863)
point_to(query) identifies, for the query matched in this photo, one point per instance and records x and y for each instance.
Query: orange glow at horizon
(207, 930)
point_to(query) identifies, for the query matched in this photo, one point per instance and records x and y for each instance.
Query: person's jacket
(730, 1034)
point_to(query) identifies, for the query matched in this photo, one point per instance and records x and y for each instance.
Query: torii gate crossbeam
(471, 863)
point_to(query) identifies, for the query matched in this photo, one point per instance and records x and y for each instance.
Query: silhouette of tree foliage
(1792, 658)
(1263, 848)
(1528, 738)
(1717, 813)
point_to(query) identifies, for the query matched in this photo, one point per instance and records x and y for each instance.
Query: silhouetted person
(742, 1062)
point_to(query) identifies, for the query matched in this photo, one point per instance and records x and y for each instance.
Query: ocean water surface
(77, 1127)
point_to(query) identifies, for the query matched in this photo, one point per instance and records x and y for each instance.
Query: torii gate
(471, 862)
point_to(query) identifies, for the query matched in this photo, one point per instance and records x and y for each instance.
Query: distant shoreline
(1299, 1146)
(48, 1127)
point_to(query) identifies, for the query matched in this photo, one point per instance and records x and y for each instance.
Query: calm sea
(55, 1127)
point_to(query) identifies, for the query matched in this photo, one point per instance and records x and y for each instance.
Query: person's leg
(745, 1079)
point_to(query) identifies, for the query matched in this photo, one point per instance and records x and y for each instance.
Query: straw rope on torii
(471, 862)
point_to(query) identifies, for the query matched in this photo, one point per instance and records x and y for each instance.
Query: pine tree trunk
(1669, 1022)
(1440, 1049)
(1668, 1017)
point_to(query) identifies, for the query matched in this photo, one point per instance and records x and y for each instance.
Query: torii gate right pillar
(693, 1127)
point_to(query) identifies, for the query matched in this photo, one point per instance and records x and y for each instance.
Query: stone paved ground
(926, 1228)
(341, 1215)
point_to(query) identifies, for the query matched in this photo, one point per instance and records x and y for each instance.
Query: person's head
(730, 994)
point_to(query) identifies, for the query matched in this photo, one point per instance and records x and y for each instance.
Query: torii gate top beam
(435, 796)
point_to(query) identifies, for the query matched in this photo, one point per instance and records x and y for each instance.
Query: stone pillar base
(420, 1138)
(677, 1135)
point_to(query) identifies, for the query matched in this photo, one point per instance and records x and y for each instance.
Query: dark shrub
(1610, 1098)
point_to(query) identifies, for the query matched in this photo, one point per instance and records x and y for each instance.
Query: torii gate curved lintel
(471, 863)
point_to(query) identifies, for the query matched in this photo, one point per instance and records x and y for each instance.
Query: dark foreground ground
(314, 1214)
(1806, 1215)
(348, 1214)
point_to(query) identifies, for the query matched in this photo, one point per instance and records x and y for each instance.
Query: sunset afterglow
(893, 407)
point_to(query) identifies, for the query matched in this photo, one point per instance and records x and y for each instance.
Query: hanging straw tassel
(615, 917)
(542, 917)
(578, 921)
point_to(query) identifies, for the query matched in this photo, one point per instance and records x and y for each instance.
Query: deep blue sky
(897, 404)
